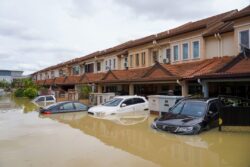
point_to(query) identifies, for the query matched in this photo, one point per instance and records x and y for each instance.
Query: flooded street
(28, 139)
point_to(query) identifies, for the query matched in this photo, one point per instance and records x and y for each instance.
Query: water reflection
(9, 102)
(128, 133)
(209, 149)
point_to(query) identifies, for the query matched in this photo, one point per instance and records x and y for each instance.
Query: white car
(119, 105)
(44, 100)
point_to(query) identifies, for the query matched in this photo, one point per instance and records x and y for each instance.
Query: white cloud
(36, 34)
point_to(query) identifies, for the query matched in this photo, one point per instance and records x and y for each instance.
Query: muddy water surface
(76, 139)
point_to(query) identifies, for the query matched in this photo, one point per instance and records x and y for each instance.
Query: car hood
(178, 120)
(101, 108)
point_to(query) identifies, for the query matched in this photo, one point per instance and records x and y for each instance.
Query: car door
(80, 107)
(66, 107)
(140, 104)
(213, 114)
(129, 108)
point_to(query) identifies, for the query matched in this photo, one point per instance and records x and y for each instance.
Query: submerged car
(190, 116)
(120, 104)
(45, 98)
(64, 107)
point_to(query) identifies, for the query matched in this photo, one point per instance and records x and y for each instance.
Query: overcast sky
(35, 34)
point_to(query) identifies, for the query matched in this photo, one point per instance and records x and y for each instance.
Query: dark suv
(190, 116)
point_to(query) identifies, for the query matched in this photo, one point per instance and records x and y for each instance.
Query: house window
(196, 49)
(185, 51)
(131, 60)
(106, 65)
(137, 60)
(46, 75)
(125, 62)
(89, 68)
(176, 52)
(52, 74)
(61, 73)
(76, 70)
(143, 58)
(114, 63)
(155, 56)
(41, 77)
(168, 55)
(110, 63)
(244, 39)
(98, 66)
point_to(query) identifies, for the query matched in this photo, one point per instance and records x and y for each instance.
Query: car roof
(127, 97)
(206, 100)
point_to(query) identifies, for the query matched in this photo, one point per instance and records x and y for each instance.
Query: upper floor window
(196, 49)
(46, 75)
(98, 66)
(176, 52)
(76, 70)
(143, 58)
(89, 68)
(131, 60)
(61, 73)
(125, 62)
(52, 74)
(155, 56)
(114, 63)
(244, 39)
(185, 51)
(41, 77)
(137, 59)
(168, 56)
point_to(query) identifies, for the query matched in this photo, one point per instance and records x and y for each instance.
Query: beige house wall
(188, 38)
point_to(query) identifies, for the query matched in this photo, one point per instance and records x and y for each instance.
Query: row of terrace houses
(208, 56)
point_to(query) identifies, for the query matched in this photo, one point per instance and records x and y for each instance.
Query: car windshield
(191, 108)
(113, 102)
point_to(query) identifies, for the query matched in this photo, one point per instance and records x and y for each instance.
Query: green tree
(30, 92)
(85, 90)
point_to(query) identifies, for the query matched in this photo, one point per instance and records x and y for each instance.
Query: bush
(30, 92)
(19, 92)
(85, 90)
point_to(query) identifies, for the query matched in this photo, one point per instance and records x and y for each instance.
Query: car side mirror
(210, 113)
(123, 105)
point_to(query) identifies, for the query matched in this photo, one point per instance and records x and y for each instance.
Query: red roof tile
(49, 82)
(71, 80)
(59, 80)
(242, 13)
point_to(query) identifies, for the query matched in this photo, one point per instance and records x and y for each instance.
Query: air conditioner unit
(166, 61)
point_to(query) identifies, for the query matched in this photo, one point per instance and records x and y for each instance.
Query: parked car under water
(190, 116)
(119, 105)
(64, 107)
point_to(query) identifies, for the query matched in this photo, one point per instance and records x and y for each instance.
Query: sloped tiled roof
(74, 79)
(158, 72)
(242, 13)
(59, 80)
(49, 82)
(238, 67)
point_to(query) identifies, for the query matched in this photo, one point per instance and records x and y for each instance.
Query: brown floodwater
(28, 139)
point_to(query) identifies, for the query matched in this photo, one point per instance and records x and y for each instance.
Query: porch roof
(238, 67)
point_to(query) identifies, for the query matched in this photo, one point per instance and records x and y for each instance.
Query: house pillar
(131, 89)
(184, 88)
(99, 88)
(205, 89)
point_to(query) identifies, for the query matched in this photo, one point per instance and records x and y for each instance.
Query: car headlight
(100, 114)
(185, 129)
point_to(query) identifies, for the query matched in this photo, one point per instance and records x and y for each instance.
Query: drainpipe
(205, 89)
(218, 36)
